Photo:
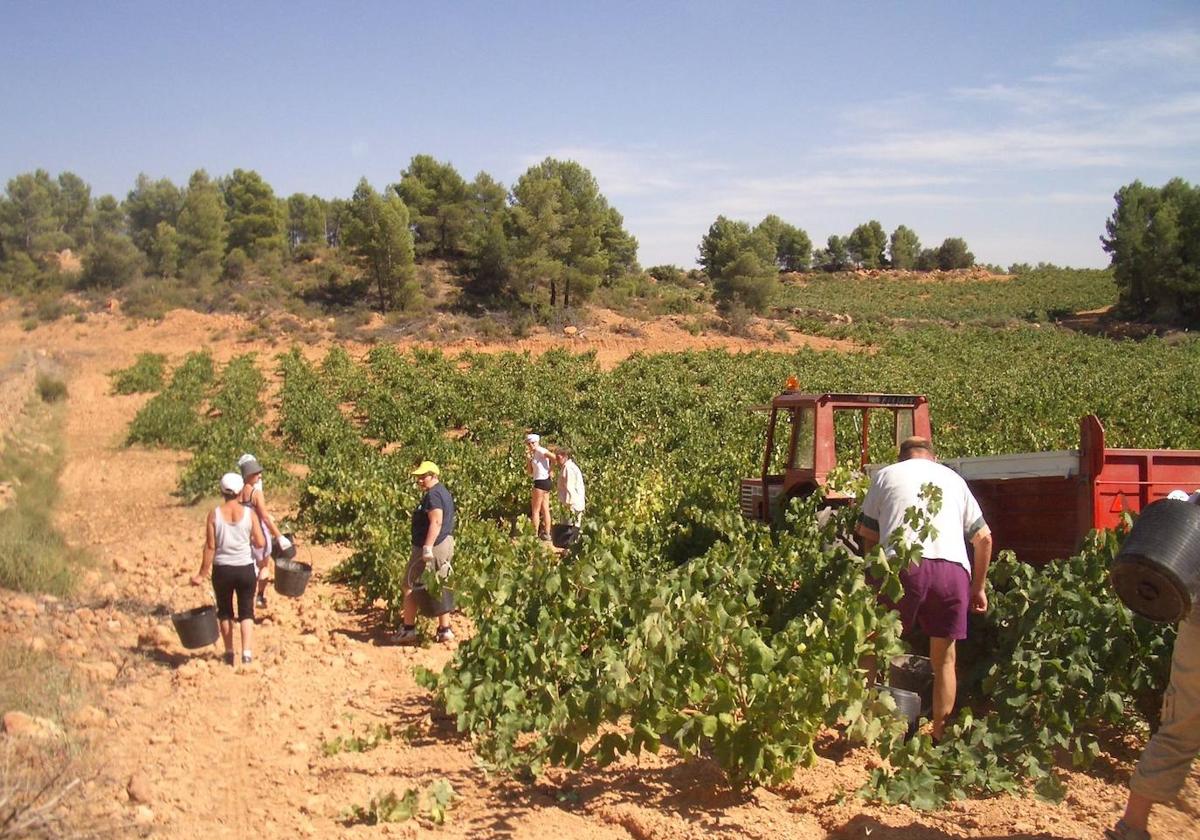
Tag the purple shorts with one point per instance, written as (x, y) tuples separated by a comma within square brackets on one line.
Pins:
[(937, 594)]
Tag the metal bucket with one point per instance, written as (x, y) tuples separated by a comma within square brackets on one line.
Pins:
[(1157, 572), (913, 673), (196, 628), (291, 577), (908, 706)]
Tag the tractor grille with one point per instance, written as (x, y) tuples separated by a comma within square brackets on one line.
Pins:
[(751, 493)]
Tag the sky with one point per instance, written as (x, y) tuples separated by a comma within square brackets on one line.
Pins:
[(1010, 124)]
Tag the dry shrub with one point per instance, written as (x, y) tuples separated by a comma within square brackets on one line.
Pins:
[(37, 780)]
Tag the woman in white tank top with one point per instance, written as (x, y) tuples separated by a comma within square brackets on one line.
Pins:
[(537, 464), (231, 534)]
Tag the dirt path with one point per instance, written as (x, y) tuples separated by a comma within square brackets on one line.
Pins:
[(184, 746)]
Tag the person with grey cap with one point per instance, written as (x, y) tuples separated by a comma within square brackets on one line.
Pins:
[(231, 533), (252, 497), (537, 464)]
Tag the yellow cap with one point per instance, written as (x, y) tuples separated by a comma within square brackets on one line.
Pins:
[(425, 468)]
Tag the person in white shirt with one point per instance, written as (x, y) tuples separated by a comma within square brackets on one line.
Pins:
[(537, 464), (939, 590), (571, 491)]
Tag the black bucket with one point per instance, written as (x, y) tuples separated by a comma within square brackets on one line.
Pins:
[(431, 607), (291, 577), (563, 535), (288, 553), (196, 628), (915, 674), (1157, 572), (908, 706)]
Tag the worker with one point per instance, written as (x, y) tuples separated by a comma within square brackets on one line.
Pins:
[(230, 534), (252, 497), (433, 522), (1167, 759), (537, 464), (939, 590), (571, 491)]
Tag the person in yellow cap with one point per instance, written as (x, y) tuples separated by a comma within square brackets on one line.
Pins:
[(432, 544)]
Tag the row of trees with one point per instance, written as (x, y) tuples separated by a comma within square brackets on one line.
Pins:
[(551, 239), (1153, 237), (744, 262)]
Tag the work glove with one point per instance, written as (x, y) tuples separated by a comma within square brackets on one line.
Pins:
[(427, 552), (283, 542)]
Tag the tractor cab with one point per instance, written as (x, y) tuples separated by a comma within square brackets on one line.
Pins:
[(809, 436)]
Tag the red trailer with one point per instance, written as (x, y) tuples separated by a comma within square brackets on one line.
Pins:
[(1042, 504), (1039, 504)]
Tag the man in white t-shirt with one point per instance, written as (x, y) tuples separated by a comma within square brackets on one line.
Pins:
[(571, 490), (940, 589)]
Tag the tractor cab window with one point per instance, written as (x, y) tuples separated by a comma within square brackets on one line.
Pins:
[(797, 423), (804, 455), (777, 459), (863, 436), (905, 425)]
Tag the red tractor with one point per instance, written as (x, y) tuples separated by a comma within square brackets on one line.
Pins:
[(1040, 504)]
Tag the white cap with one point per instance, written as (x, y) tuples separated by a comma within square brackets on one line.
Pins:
[(1178, 495), (231, 482), (532, 438)]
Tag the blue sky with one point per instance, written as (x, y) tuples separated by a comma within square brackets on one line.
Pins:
[(1008, 123)]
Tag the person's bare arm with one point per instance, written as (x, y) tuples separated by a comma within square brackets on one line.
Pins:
[(256, 532), (209, 552), (981, 540), (268, 522), (435, 528)]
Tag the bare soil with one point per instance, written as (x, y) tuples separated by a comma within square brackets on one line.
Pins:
[(182, 746)]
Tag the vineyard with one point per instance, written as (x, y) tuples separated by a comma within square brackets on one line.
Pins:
[(1037, 296), (674, 621)]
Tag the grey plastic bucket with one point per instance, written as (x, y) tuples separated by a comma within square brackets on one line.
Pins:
[(291, 577), (908, 706), (196, 628), (1157, 572), (913, 673)]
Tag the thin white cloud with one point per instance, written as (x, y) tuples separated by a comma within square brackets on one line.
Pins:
[(1042, 147), (1099, 198), (1075, 117), (1168, 49), (632, 171), (1034, 97), (979, 161)]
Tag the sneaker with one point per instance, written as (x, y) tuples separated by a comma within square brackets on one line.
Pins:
[(228, 657), (1121, 831), (406, 636), (445, 634), (261, 602), (246, 658)]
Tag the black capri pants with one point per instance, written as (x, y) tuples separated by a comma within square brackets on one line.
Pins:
[(230, 580)]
